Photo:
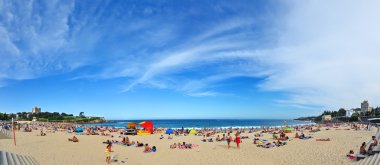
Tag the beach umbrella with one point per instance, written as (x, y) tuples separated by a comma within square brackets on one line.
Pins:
[(131, 125), (193, 131), (169, 131)]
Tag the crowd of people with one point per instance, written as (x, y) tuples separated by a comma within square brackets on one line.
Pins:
[(363, 150), (227, 135)]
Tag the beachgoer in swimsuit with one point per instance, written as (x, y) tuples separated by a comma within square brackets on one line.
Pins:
[(237, 139), (229, 139), (108, 153)]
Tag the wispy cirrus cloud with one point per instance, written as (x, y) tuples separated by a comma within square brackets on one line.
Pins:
[(322, 57), (214, 48), (319, 53), (32, 36)]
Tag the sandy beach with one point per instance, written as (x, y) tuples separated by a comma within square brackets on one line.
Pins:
[(56, 149)]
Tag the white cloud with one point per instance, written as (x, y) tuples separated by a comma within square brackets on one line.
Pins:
[(203, 94), (327, 54), (31, 37), (224, 42)]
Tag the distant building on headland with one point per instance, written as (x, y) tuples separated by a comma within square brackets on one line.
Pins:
[(365, 106), (326, 118), (36, 110)]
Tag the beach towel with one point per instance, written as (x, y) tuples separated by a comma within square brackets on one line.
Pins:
[(323, 140), (114, 158)]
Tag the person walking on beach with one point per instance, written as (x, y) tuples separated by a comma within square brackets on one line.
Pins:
[(108, 153), (237, 140), (229, 139)]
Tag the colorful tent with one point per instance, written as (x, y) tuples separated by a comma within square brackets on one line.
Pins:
[(193, 132), (148, 126), (169, 131), (79, 130), (288, 129), (132, 125)]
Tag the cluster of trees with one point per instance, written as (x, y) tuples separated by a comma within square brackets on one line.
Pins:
[(374, 112), (340, 115), (51, 116), (4, 116), (44, 115)]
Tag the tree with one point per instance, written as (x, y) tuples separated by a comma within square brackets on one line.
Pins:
[(341, 112), (354, 117), (5, 116), (81, 114)]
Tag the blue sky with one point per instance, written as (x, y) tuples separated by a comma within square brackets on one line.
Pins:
[(188, 59)]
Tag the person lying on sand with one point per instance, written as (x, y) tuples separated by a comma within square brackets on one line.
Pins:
[(269, 145), (351, 155), (328, 139), (74, 139), (304, 137), (279, 143), (162, 137), (107, 142), (259, 135), (283, 138), (103, 134), (139, 144), (244, 137), (184, 145), (204, 138)]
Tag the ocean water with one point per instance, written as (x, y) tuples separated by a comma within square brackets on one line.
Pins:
[(208, 123)]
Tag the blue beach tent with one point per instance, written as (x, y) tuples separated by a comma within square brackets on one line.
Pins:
[(79, 130), (169, 131)]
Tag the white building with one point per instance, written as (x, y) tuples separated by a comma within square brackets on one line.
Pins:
[(326, 118), (365, 106), (349, 113), (36, 110)]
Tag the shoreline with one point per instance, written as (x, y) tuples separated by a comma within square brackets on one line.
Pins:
[(218, 123)]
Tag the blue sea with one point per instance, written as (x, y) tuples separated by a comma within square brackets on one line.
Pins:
[(208, 123)]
